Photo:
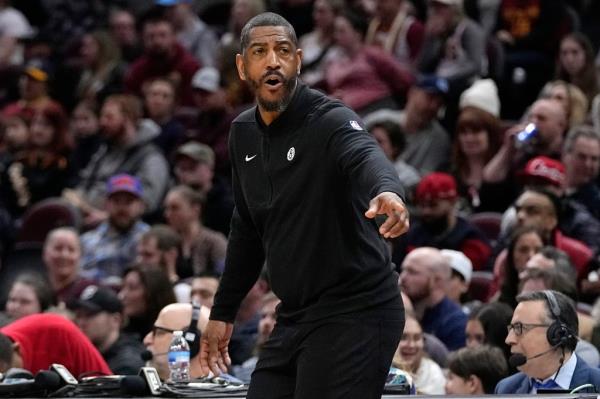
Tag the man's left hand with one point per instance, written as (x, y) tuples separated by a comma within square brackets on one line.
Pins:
[(389, 204)]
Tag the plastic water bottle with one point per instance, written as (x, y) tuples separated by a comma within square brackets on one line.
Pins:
[(179, 359)]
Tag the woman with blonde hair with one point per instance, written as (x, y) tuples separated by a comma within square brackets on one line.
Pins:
[(410, 356), (574, 101)]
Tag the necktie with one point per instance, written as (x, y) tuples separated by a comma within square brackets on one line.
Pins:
[(550, 384)]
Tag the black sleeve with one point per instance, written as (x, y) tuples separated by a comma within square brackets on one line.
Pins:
[(358, 156), (245, 255)]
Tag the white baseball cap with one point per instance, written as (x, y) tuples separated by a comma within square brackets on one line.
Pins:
[(459, 262), (207, 79)]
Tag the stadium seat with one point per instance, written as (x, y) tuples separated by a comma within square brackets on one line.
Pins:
[(481, 286), (45, 216), (489, 224)]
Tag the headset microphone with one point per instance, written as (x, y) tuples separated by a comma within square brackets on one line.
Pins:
[(149, 355), (191, 335), (146, 355), (519, 359), (558, 333)]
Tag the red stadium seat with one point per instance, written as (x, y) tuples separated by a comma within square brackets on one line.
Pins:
[(45, 216), (481, 286), (488, 223)]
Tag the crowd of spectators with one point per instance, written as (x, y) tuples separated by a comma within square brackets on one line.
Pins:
[(114, 120)]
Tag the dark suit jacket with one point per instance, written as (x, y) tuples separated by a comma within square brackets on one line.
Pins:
[(583, 374)]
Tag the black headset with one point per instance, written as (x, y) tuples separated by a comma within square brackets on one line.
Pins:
[(558, 333), (192, 334)]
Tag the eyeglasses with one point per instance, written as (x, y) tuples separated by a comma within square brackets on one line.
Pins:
[(157, 329), (519, 327)]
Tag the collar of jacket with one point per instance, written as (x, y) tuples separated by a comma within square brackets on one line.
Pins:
[(292, 116)]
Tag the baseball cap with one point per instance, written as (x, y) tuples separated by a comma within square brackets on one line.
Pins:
[(545, 170), (433, 84), (206, 79), (434, 186), (448, 2), (37, 71), (460, 263), (124, 183), (197, 151), (97, 299)]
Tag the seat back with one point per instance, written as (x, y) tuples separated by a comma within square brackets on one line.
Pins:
[(489, 223), (481, 286), (44, 217)]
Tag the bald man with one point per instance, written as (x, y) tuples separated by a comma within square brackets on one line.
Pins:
[(176, 316), (550, 119), (425, 277)]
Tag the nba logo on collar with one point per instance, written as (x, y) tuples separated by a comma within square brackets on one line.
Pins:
[(355, 125), (291, 153)]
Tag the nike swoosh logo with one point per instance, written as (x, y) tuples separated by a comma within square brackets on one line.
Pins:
[(250, 158)]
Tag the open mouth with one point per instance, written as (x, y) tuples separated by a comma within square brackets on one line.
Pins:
[(273, 82)]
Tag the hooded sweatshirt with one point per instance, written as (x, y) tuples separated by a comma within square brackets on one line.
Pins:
[(47, 338), (140, 158)]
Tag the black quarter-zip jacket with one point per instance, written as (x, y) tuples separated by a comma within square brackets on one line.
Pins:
[(301, 188)]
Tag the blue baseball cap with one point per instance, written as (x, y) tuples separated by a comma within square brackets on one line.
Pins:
[(168, 3), (124, 183), (433, 84)]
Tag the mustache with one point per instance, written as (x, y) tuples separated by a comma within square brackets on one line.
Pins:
[(272, 73)]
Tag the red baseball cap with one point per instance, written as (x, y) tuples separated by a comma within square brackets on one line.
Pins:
[(545, 170), (435, 186)]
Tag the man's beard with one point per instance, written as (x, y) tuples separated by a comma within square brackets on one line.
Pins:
[(279, 105), (418, 295), (122, 226), (113, 135)]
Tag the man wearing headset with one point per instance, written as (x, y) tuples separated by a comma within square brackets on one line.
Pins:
[(176, 316), (542, 335)]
